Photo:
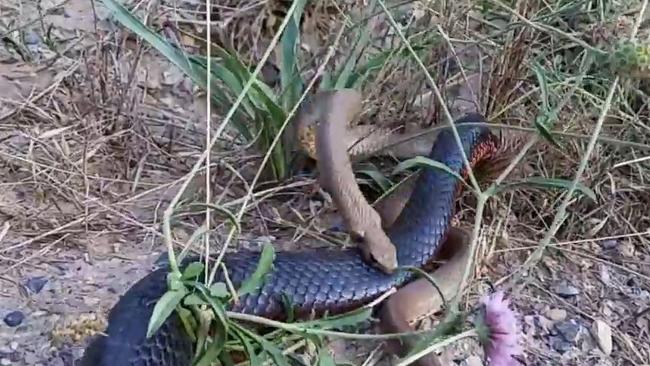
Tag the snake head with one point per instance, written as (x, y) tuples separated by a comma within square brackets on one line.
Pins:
[(376, 249)]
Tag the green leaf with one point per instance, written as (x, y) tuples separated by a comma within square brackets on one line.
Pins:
[(254, 359), (263, 267), (188, 321), (274, 352), (172, 53), (541, 124), (193, 299), (324, 358), (350, 318), (219, 289), (268, 347), (192, 270), (547, 183), (164, 307), (421, 161), (215, 347), (373, 173), (174, 281), (544, 122), (288, 307), (290, 42), (345, 75), (216, 306), (543, 86)]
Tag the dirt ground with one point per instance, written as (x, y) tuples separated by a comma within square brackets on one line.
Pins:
[(94, 145)]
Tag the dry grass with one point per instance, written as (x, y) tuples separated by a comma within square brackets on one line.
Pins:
[(91, 159)]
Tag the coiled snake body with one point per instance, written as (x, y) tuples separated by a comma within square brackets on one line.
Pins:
[(313, 280)]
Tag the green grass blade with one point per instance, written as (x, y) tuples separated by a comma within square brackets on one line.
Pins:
[(343, 79), (264, 265), (375, 175), (547, 183), (192, 270), (268, 347), (172, 53), (254, 359), (290, 43), (324, 358), (420, 161), (163, 308), (350, 318)]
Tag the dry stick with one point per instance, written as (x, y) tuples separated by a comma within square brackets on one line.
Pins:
[(535, 138), (484, 196), (450, 119), (560, 216), (543, 27), (170, 209), (480, 196), (207, 140), (275, 141)]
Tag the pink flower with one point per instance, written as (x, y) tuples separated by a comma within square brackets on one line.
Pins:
[(498, 332)]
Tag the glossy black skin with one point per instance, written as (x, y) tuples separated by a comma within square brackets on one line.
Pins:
[(314, 280)]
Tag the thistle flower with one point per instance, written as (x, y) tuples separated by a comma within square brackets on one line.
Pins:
[(497, 329)]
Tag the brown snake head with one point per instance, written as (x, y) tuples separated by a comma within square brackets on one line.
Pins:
[(327, 117), (376, 249)]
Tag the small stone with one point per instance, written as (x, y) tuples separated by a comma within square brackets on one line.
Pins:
[(604, 275), (14, 318), (5, 361), (609, 244), (627, 249), (543, 323), (13, 345), (602, 333), (568, 329), (36, 284), (564, 289), (560, 344), (473, 361), (32, 38), (556, 315)]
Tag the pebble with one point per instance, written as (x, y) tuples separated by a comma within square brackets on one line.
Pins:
[(36, 284), (473, 361), (627, 249), (14, 318), (556, 315), (609, 244), (32, 38), (568, 330), (602, 333), (560, 344), (564, 289)]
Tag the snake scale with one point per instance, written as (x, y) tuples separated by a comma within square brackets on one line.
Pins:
[(317, 280)]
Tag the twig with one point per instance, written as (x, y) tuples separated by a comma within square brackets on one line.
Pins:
[(197, 166), (561, 214)]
